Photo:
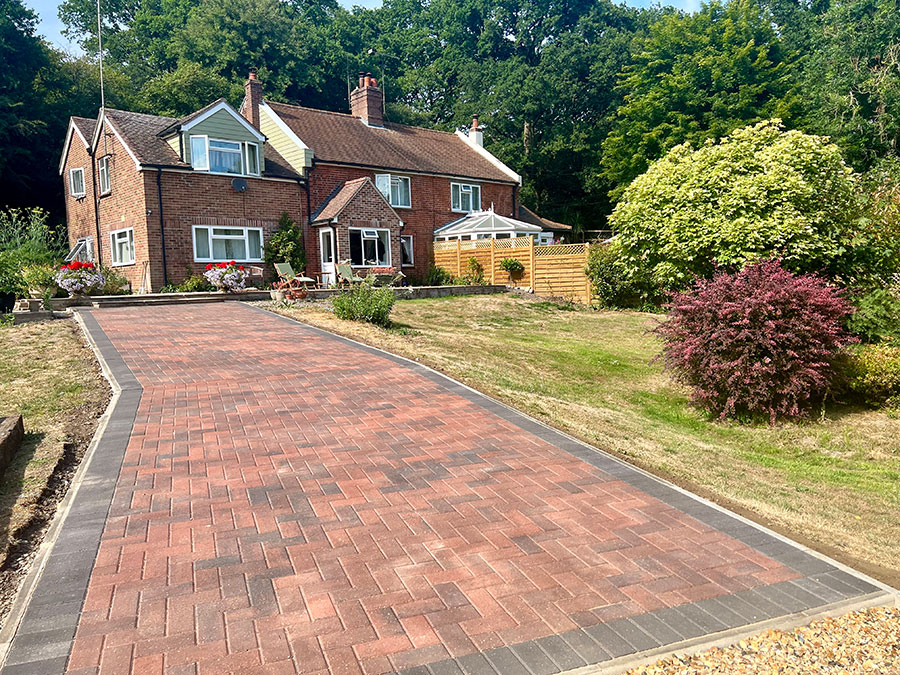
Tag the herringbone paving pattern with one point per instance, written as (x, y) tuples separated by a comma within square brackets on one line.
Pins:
[(291, 503)]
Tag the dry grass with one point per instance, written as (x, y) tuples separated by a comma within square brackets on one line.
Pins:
[(832, 481), (49, 375)]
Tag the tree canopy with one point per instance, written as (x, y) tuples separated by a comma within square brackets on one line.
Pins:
[(578, 96)]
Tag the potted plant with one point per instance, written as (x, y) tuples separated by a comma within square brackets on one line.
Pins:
[(78, 278), (40, 279), (513, 267), (227, 277), (11, 283)]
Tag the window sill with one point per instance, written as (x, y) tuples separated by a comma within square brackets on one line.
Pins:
[(466, 212), (400, 207), (78, 197), (225, 173), (124, 264), (368, 267), (104, 194), (228, 260)]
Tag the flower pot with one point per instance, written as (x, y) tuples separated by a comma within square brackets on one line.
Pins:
[(277, 295), (7, 302)]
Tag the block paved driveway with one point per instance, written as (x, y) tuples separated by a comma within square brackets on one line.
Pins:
[(289, 501)]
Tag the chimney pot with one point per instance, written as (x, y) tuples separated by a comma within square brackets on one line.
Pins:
[(253, 98), (252, 74), (366, 101)]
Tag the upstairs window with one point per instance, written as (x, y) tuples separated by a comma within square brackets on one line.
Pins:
[(103, 175), (220, 156), (370, 247), (122, 246), (395, 189), (76, 183), (465, 198)]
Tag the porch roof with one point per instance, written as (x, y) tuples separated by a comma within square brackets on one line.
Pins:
[(485, 222)]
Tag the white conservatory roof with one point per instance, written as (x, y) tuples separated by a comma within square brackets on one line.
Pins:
[(485, 222)]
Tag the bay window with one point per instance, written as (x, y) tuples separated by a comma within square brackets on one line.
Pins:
[(122, 246), (465, 198), (395, 189), (223, 244), (370, 247)]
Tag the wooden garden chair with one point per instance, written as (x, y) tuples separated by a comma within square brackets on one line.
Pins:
[(346, 275), (289, 280)]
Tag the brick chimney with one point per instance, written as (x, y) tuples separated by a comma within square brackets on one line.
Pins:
[(366, 102), (476, 135), (253, 97)]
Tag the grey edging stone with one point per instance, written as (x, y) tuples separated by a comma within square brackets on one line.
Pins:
[(822, 582), (43, 638)]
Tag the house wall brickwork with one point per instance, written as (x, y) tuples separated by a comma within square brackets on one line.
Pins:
[(430, 199)]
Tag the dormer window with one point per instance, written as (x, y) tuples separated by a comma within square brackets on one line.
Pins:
[(220, 156)]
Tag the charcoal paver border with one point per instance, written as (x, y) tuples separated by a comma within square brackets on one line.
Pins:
[(46, 632), (43, 639)]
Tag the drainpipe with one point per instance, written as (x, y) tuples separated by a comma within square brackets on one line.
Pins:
[(92, 153), (162, 228), (515, 213)]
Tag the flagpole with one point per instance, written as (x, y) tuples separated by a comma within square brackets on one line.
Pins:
[(100, 50)]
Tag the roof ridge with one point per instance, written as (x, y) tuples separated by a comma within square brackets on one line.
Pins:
[(387, 126), (140, 114)]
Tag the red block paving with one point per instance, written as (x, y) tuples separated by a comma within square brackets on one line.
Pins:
[(290, 503)]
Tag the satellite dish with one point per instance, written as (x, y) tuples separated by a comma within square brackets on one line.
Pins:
[(239, 184)]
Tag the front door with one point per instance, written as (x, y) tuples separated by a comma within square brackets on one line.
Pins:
[(326, 251)]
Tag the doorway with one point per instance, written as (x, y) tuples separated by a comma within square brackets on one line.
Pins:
[(326, 253)]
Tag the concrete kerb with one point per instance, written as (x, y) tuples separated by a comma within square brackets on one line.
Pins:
[(15, 624)]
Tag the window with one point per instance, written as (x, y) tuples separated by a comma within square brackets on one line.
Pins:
[(217, 156), (122, 246), (221, 244), (465, 198), (406, 249), (199, 153), (83, 251), (103, 171), (251, 152), (370, 248), (395, 189), (76, 183)]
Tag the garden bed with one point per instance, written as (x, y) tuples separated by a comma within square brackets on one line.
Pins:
[(49, 375), (829, 483)]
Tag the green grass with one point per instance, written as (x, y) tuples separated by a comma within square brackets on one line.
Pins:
[(833, 479)]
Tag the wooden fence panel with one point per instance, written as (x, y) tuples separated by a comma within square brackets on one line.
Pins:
[(556, 270)]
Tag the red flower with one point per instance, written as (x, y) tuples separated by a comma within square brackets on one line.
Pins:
[(240, 267), (232, 263), (209, 266)]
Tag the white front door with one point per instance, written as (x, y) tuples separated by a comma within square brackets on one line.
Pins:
[(326, 253)]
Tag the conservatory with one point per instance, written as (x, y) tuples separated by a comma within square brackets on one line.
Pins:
[(490, 225)]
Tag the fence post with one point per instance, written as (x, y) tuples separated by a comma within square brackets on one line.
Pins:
[(458, 254), (531, 249), (492, 260), (587, 257)]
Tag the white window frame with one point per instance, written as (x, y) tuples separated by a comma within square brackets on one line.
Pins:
[(72, 172), (205, 155), (244, 150), (467, 188), (211, 237), (126, 233), (372, 233), (412, 256), (103, 177), (390, 180), (85, 244)]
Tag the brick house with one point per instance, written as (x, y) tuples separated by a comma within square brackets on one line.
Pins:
[(159, 198)]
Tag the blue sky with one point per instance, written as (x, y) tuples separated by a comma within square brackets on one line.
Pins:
[(51, 27)]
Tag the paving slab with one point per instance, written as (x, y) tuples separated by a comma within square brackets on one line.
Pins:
[(268, 497)]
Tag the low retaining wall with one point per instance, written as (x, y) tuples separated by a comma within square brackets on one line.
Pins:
[(418, 292), (12, 431)]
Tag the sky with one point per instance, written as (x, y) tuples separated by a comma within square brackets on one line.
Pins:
[(51, 27)]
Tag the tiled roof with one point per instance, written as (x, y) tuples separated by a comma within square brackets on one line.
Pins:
[(529, 216), (184, 120), (85, 126), (141, 134), (344, 139), (338, 199)]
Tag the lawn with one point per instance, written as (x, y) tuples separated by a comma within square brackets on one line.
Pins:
[(831, 483), (49, 375)]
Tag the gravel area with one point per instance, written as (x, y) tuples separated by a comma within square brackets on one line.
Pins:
[(866, 641)]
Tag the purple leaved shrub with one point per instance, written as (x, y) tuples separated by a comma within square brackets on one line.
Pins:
[(759, 342)]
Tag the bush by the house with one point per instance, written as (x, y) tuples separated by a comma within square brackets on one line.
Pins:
[(437, 276), (116, 284), (365, 302), (473, 274), (877, 317), (616, 283), (39, 279), (195, 283), (874, 374), (78, 278), (27, 234), (512, 266), (286, 245), (226, 276), (761, 192), (759, 342)]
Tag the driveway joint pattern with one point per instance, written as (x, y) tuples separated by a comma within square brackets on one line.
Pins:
[(270, 497)]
